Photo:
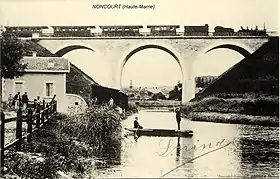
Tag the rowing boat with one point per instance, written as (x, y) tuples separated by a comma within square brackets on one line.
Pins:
[(161, 132)]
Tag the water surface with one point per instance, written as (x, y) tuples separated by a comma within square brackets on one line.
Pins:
[(254, 152)]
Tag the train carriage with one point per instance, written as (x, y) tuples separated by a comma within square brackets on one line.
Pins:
[(196, 30), (111, 31), (25, 31), (73, 31), (163, 30)]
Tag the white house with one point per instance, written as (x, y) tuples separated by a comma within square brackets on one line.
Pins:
[(44, 77)]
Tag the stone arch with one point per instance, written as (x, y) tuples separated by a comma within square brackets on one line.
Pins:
[(234, 45), (184, 67), (67, 49), (75, 104), (236, 48), (139, 47)]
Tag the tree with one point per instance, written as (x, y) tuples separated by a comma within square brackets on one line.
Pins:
[(176, 93), (12, 51)]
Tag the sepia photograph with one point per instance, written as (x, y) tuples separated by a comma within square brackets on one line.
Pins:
[(139, 89)]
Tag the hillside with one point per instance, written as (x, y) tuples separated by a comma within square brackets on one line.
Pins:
[(255, 75)]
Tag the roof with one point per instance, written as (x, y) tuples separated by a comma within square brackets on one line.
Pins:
[(81, 26), (46, 64), (85, 75), (30, 46), (149, 26), (20, 27), (121, 26)]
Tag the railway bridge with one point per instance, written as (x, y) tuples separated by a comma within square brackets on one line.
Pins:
[(184, 49)]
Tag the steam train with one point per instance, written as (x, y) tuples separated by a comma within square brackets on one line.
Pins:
[(118, 31)]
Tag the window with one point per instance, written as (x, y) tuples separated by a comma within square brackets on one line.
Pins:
[(18, 87), (49, 89)]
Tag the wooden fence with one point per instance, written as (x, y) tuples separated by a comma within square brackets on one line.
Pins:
[(35, 119)]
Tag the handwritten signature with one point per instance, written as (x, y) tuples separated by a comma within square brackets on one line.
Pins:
[(214, 147)]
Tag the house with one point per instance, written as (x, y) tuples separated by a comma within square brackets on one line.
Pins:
[(44, 77)]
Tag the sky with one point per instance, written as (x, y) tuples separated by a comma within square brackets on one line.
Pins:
[(227, 13)]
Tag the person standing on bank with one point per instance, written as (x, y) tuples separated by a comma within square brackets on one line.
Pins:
[(178, 117), (24, 99), (10, 101), (17, 99)]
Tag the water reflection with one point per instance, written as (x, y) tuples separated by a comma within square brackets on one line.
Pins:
[(255, 151), (259, 151), (178, 149)]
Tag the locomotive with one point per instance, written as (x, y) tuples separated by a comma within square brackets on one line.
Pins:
[(252, 32)]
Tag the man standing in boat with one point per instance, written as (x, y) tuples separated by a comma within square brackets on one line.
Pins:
[(178, 117), (136, 124)]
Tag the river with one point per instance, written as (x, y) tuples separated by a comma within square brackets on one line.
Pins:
[(254, 151)]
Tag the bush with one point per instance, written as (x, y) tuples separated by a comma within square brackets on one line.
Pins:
[(69, 144), (98, 126)]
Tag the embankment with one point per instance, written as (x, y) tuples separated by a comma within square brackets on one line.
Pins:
[(238, 109)]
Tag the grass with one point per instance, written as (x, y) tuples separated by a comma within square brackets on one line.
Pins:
[(256, 106), (235, 108), (233, 118)]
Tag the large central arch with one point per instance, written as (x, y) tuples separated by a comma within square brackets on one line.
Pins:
[(162, 47), (143, 47)]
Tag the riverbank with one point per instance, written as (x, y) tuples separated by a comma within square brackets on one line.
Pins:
[(157, 103), (233, 118), (68, 146), (237, 109)]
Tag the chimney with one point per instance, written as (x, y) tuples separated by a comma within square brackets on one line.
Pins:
[(34, 53)]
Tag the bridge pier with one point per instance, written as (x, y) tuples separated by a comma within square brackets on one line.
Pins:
[(188, 84)]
